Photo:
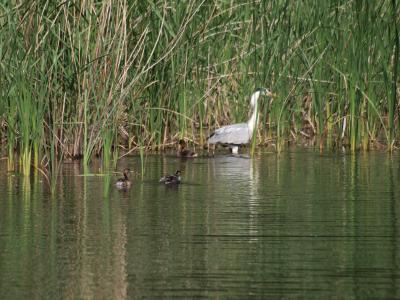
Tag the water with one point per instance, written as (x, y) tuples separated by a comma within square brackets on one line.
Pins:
[(297, 225)]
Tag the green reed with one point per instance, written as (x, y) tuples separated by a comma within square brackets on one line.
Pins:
[(84, 78), (27, 111)]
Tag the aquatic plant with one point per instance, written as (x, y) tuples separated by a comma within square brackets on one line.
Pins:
[(88, 78)]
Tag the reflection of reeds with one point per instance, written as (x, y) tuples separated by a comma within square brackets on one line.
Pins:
[(82, 78)]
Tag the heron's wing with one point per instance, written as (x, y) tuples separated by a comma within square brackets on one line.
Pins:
[(231, 134)]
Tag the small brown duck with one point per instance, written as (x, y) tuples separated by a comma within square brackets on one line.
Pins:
[(124, 182), (183, 152), (172, 179)]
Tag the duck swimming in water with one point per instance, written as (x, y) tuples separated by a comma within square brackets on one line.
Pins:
[(124, 182), (182, 152), (172, 179)]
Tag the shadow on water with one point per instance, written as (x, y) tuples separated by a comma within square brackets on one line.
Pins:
[(299, 224)]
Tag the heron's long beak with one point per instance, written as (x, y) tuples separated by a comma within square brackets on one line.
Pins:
[(270, 94)]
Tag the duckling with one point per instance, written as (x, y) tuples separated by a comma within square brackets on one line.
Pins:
[(124, 182), (182, 152), (172, 179)]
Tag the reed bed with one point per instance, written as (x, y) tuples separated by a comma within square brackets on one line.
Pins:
[(85, 78)]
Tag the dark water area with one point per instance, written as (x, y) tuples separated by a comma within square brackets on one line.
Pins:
[(296, 225)]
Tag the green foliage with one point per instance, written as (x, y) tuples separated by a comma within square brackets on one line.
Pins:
[(84, 77)]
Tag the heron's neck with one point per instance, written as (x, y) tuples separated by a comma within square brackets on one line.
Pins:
[(252, 122)]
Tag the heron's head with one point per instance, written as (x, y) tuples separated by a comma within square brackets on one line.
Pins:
[(258, 92)]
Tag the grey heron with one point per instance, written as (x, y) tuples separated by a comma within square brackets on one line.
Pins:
[(239, 134), (124, 182), (172, 179)]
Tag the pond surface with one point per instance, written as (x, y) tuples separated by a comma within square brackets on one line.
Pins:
[(300, 225)]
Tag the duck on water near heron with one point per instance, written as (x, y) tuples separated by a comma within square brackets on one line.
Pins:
[(183, 152), (124, 182), (172, 179), (236, 135)]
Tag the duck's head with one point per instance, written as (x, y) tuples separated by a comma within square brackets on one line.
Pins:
[(181, 144), (126, 172)]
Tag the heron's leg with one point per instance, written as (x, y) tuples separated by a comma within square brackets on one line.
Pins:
[(212, 147), (235, 149)]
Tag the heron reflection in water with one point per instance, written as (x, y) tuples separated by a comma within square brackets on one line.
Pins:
[(239, 134)]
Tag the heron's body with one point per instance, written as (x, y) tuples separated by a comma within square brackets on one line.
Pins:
[(236, 134), (124, 182), (172, 179), (239, 134)]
